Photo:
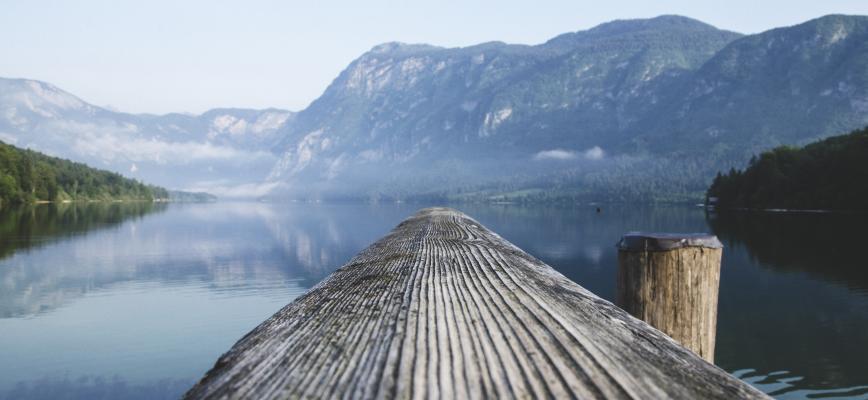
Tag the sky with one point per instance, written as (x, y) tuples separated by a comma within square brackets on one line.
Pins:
[(161, 56)]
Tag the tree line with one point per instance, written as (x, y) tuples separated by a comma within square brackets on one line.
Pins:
[(830, 174), (28, 176)]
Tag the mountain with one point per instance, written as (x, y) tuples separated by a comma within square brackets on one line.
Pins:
[(784, 86), (647, 109), (220, 151), (626, 110), (419, 117), (27, 176), (829, 174)]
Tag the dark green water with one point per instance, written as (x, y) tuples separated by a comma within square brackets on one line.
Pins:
[(138, 300)]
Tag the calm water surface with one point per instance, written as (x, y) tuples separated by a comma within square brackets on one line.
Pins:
[(138, 300)]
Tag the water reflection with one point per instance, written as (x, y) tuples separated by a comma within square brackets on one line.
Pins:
[(145, 301), (793, 299), (26, 288), (229, 247), (825, 246), (96, 387), (139, 300), (578, 241), (34, 225)]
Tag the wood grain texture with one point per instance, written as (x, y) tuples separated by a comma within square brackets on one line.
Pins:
[(675, 291), (443, 307)]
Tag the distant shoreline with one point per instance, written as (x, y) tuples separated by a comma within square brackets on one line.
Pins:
[(67, 201), (784, 210)]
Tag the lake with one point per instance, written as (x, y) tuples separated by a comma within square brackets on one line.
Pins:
[(137, 300)]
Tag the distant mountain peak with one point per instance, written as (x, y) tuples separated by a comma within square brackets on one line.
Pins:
[(832, 23), (662, 22), (835, 27), (387, 47), (832, 19), (631, 27), (40, 98), (400, 47)]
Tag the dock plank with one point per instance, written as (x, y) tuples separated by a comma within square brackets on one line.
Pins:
[(443, 307)]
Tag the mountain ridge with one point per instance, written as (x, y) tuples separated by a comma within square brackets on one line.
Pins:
[(616, 89), (216, 151), (628, 109)]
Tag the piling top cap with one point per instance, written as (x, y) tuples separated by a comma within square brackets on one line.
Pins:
[(642, 241)]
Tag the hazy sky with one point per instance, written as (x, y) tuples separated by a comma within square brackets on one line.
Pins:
[(188, 56)]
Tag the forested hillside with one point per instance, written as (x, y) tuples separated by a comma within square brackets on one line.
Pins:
[(831, 174), (635, 110), (28, 176)]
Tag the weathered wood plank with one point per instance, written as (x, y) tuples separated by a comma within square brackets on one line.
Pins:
[(443, 307)]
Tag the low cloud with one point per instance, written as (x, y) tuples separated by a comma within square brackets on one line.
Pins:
[(110, 148), (110, 142), (225, 189), (556, 154), (593, 154)]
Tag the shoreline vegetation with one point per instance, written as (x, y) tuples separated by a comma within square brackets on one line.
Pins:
[(824, 176), (31, 177), (28, 176)]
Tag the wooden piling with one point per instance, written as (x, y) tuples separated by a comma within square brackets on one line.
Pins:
[(444, 308), (671, 282)]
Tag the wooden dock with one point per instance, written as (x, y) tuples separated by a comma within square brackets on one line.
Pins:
[(443, 307)]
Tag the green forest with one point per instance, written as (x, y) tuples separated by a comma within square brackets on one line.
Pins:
[(27, 176), (831, 174)]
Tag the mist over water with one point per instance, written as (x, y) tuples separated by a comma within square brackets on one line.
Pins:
[(138, 301)]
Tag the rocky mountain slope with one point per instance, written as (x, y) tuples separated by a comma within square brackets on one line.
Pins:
[(626, 110)]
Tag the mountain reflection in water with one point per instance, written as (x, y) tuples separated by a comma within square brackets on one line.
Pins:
[(137, 300)]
